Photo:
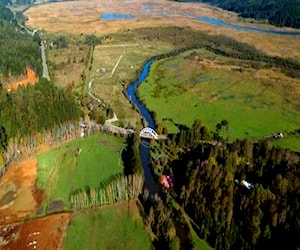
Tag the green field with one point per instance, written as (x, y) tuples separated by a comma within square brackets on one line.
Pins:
[(211, 89), (109, 87), (79, 163), (117, 226), (289, 142)]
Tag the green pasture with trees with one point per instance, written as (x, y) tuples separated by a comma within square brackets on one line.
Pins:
[(77, 164), (181, 89)]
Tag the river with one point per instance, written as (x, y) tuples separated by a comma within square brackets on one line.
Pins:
[(150, 182)]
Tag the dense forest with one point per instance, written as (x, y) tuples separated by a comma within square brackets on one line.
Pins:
[(239, 195), (35, 108), (5, 13), (277, 12), (18, 50)]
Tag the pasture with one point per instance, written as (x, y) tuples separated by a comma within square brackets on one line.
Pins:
[(117, 226), (114, 66), (201, 85), (77, 164)]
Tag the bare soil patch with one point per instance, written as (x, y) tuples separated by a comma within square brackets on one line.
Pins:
[(85, 17), (30, 78), (43, 233), (20, 179)]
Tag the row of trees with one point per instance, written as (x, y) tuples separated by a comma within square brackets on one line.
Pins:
[(210, 179), (117, 188), (277, 12)]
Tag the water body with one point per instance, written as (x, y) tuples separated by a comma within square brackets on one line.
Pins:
[(116, 16), (246, 28), (150, 182)]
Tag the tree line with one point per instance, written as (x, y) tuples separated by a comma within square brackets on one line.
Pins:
[(186, 39), (277, 12), (241, 195)]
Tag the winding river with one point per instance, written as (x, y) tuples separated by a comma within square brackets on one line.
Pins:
[(150, 182)]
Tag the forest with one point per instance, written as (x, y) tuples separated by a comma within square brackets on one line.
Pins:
[(239, 195), (277, 12), (35, 108), (18, 50)]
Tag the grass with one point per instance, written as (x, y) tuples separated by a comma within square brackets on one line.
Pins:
[(289, 142), (116, 226), (67, 65), (110, 88), (253, 106), (77, 164)]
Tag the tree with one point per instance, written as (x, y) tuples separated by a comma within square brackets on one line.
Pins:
[(3, 138), (131, 157)]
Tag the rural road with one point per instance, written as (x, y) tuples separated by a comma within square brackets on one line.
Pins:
[(44, 62)]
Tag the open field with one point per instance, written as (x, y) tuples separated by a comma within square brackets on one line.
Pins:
[(67, 65), (289, 142), (77, 164), (117, 226), (211, 88), (85, 17), (117, 64)]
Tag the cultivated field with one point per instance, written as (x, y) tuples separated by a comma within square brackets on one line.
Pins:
[(85, 17), (77, 164), (117, 226), (202, 85)]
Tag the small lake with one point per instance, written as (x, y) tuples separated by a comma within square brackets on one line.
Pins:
[(116, 16)]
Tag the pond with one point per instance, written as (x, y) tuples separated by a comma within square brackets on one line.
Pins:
[(116, 16)]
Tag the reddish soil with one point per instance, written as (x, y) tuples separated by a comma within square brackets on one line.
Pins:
[(16, 230), (21, 175), (30, 78), (41, 233)]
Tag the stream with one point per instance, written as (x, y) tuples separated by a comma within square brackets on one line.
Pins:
[(150, 182)]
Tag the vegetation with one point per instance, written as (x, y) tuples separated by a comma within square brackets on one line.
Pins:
[(18, 50), (184, 39), (35, 108), (241, 195), (5, 13), (131, 156), (201, 84), (77, 164), (277, 12), (116, 189), (117, 226)]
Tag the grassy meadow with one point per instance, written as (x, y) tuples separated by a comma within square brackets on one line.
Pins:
[(109, 87), (117, 226), (77, 164), (200, 85)]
